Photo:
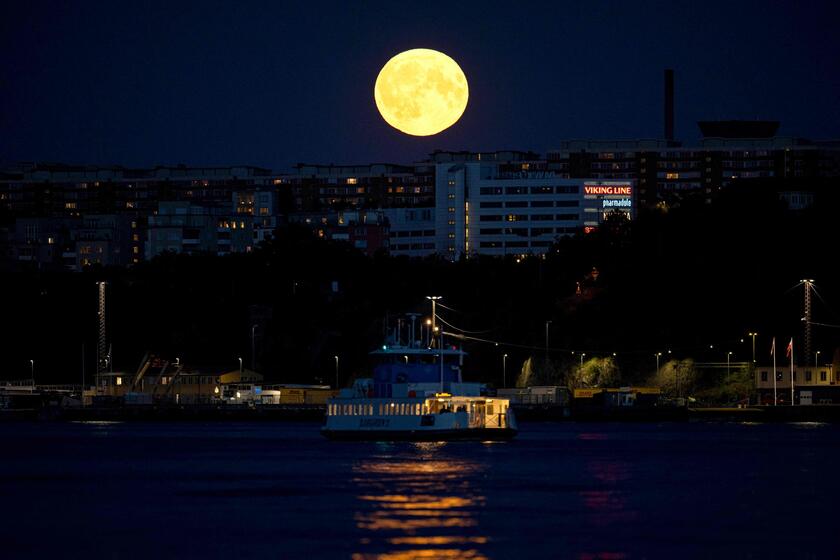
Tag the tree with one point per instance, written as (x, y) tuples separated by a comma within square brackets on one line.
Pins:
[(676, 377), (595, 372)]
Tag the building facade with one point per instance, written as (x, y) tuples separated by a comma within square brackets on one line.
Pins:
[(513, 206), (819, 384)]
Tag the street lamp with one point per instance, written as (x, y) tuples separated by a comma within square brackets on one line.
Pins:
[(728, 355), (32, 363), (336, 371), (817, 358), (240, 366), (504, 370), (657, 362), (581, 359), (753, 335)]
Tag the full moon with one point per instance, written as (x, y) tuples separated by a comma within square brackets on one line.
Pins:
[(421, 92)]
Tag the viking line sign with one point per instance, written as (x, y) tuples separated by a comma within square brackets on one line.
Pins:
[(608, 189)]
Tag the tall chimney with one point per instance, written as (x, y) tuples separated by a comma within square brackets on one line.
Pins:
[(669, 104)]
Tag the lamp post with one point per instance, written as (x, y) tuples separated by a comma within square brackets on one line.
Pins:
[(657, 355), (253, 349), (504, 370), (582, 355), (240, 367), (336, 371), (817, 358), (728, 356), (753, 335), (32, 364)]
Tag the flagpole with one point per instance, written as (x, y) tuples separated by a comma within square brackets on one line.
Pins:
[(775, 398), (791, 372)]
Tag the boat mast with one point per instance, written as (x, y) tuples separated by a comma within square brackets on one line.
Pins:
[(440, 345)]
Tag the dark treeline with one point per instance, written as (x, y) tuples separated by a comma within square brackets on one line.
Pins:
[(681, 280)]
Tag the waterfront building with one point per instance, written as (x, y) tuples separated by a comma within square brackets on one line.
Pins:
[(819, 384)]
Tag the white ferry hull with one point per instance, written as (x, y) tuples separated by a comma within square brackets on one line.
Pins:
[(468, 434)]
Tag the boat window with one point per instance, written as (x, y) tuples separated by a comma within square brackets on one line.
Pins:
[(380, 409)]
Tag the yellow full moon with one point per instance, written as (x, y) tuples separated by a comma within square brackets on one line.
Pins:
[(421, 92)]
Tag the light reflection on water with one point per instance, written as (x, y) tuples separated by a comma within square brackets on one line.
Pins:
[(418, 505)]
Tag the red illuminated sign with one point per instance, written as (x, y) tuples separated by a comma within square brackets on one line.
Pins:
[(608, 189)]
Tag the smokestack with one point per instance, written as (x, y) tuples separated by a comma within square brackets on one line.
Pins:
[(669, 104)]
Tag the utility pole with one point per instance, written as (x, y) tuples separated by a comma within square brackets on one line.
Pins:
[(102, 347), (547, 323), (253, 349), (83, 376), (808, 287)]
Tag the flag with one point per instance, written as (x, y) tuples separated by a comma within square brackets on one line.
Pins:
[(773, 347), (789, 348)]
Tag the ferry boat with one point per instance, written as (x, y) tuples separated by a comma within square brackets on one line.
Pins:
[(417, 394)]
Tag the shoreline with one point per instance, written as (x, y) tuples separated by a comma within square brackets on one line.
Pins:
[(315, 413)]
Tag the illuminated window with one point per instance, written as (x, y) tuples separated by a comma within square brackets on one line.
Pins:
[(70, 205), (129, 204), (136, 250), (119, 380), (50, 240), (672, 175), (451, 209), (263, 211), (352, 180)]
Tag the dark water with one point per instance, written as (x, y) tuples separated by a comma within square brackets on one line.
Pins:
[(560, 490)]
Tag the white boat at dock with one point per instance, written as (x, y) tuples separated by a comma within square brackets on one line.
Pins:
[(417, 394)]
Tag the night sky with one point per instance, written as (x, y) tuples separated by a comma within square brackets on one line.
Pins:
[(273, 83)]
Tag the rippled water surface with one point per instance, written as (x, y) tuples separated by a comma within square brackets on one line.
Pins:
[(559, 490)]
